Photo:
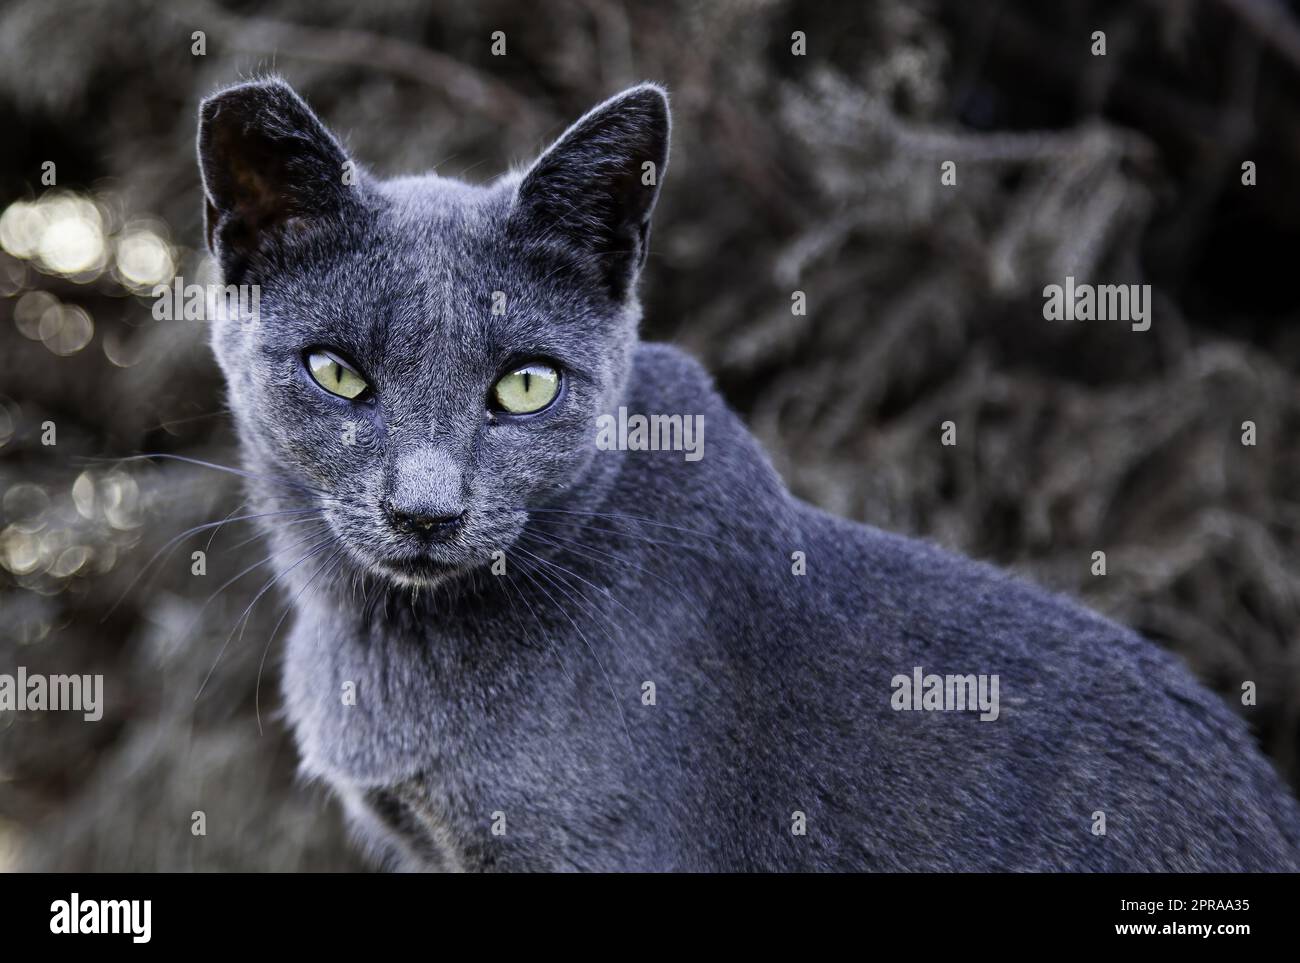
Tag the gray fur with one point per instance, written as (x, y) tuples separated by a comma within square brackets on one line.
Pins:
[(481, 694)]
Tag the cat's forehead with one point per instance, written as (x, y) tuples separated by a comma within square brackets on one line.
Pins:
[(440, 216), (429, 246), (453, 244), (436, 271)]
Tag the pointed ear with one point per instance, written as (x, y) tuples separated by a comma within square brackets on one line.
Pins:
[(594, 189), (269, 166)]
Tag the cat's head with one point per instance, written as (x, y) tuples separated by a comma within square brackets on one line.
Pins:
[(428, 356)]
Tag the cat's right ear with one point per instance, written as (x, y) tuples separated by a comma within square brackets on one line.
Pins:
[(269, 166)]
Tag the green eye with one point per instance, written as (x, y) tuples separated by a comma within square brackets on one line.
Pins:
[(527, 389), (334, 376)]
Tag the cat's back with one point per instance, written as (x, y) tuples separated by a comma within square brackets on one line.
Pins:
[(1090, 725)]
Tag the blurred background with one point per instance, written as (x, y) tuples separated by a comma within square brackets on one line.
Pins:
[(816, 173)]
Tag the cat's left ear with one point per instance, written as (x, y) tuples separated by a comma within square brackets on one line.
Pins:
[(595, 188)]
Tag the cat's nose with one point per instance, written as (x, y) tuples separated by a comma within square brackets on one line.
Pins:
[(417, 520), (425, 493)]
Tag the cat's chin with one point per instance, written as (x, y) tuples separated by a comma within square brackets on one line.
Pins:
[(421, 572)]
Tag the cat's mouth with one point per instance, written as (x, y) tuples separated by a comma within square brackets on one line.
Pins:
[(421, 570), (426, 561)]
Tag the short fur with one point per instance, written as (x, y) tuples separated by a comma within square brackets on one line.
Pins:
[(499, 719)]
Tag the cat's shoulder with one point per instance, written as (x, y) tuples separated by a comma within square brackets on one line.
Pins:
[(726, 460), (663, 372)]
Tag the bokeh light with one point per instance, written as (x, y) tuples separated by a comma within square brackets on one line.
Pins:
[(120, 500), (29, 310), (144, 258), (83, 495), (72, 237), (20, 552), (25, 506), (21, 227), (70, 561), (65, 329), (73, 245)]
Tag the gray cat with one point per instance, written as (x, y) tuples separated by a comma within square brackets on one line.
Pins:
[(528, 640)]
